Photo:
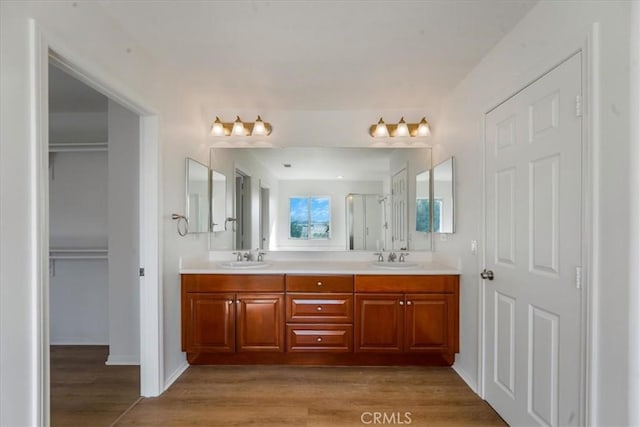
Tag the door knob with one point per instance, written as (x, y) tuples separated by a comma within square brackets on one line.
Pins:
[(487, 274)]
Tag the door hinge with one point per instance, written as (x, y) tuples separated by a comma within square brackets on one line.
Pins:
[(578, 105), (141, 271), (578, 277)]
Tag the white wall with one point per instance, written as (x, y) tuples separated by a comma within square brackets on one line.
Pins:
[(549, 33), (124, 231), (78, 300), (84, 31), (337, 192), (78, 127), (78, 219)]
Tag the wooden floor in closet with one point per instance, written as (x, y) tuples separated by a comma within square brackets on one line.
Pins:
[(85, 391)]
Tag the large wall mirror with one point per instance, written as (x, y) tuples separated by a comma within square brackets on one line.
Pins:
[(197, 196), (300, 198)]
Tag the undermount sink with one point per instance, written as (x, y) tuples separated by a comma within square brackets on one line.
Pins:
[(243, 264), (395, 265)]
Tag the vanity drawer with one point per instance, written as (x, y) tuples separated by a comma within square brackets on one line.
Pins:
[(319, 283), (320, 308), (320, 338)]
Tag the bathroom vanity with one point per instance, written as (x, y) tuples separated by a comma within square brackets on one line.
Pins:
[(338, 313)]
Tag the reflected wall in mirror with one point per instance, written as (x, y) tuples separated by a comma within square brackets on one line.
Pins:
[(443, 197), (197, 200), (218, 200), (282, 174)]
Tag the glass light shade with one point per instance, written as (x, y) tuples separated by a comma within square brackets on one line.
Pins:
[(402, 129), (217, 129), (423, 128), (238, 127), (381, 129), (258, 127)]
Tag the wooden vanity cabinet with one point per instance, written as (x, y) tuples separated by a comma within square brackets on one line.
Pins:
[(319, 310), (232, 313), (320, 319), (421, 319)]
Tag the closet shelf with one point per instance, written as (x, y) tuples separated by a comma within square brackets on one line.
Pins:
[(61, 147), (78, 253)]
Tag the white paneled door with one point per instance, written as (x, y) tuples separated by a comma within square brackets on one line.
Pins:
[(533, 251)]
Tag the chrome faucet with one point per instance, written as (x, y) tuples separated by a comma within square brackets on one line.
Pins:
[(248, 256), (261, 256), (402, 256), (392, 257), (238, 255), (380, 256)]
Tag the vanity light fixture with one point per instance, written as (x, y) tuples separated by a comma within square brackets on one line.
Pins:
[(240, 128), (401, 129)]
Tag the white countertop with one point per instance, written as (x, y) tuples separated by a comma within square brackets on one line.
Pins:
[(210, 266)]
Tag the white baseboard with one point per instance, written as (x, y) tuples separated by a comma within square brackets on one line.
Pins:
[(122, 360), (466, 378), (175, 375)]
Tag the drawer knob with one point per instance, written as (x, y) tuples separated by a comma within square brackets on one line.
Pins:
[(319, 308), (230, 301), (401, 302), (409, 303), (319, 339), (319, 283)]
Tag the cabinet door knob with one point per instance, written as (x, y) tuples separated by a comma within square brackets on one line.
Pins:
[(408, 302), (319, 308), (230, 301), (319, 339), (401, 302), (319, 283), (237, 301)]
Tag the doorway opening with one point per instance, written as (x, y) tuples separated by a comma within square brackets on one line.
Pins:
[(149, 288)]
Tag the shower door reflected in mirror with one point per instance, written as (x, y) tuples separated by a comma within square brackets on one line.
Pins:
[(367, 221)]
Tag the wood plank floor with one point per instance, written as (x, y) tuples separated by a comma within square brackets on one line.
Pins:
[(314, 396), (86, 392)]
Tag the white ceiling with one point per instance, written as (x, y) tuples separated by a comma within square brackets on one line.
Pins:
[(319, 55)]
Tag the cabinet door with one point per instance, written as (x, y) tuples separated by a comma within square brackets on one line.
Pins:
[(379, 322), (210, 325), (260, 322), (429, 322)]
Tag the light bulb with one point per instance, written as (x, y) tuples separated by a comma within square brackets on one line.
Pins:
[(258, 127), (217, 129), (381, 129), (402, 129), (238, 127), (423, 128)]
